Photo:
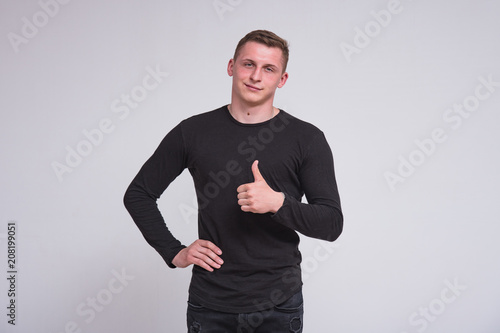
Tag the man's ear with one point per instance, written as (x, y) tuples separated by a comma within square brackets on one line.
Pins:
[(283, 79), (230, 66)]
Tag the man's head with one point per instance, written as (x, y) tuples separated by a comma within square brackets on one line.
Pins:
[(258, 69), (267, 38)]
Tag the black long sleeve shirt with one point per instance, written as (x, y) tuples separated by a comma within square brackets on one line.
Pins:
[(260, 251)]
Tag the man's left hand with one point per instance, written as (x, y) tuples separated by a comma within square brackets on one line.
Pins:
[(258, 197)]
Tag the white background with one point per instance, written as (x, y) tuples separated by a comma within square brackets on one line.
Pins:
[(403, 245)]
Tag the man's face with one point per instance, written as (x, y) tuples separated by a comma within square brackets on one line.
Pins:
[(257, 72)]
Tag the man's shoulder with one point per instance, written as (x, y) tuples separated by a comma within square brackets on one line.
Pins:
[(205, 117), (298, 124)]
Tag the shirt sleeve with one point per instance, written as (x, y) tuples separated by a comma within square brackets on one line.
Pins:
[(321, 217), (166, 163)]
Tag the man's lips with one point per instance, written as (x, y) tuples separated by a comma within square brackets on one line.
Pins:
[(252, 87)]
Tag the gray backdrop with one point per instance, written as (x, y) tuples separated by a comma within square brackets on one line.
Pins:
[(407, 93)]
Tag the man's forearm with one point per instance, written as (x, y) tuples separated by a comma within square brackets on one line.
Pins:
[(146, 215), (321, 221)]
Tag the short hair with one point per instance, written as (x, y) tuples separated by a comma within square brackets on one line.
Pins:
[(267, 38)]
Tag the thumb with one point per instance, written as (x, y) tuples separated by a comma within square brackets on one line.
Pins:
[(256, 172)]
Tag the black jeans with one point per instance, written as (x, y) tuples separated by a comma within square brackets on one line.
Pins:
[(283, 318)]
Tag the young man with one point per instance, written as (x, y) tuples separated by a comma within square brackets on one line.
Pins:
[(251, 164)]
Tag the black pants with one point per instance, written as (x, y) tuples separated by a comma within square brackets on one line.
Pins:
[(284, 318)]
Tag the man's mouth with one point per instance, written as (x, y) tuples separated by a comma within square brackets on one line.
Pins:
[(254, 88)]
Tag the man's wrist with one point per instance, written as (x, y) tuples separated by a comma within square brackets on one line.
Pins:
[(280, 201)]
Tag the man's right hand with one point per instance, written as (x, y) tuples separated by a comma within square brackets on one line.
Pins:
[(202, 253)]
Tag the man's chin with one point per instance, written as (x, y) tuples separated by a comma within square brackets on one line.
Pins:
[(255, 99)]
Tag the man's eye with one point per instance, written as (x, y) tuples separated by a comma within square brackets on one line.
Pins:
[(269, 69), (248, 64)]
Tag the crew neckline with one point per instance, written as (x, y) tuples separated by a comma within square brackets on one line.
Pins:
[(228, 113)]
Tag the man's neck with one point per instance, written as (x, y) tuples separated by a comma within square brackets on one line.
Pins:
[(252, 114)]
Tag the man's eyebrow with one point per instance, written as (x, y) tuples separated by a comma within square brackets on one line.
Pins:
[(266, 65)]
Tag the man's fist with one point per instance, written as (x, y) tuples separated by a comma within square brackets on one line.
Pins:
[(258, 197)]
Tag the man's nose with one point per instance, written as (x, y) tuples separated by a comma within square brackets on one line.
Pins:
[(256, 74)]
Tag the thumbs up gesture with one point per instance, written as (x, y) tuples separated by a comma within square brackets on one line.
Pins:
[(258, 197)]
